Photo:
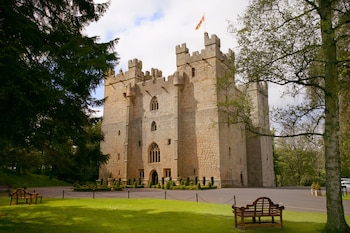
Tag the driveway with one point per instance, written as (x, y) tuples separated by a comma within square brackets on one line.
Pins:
[(293, 198)]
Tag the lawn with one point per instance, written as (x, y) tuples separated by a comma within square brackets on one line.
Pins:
[(137, 215)]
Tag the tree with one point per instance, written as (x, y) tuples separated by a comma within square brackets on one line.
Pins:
[(48, 70), (280, 42), (299, 161)]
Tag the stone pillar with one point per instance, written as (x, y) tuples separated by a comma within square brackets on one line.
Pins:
[(129, 95), (178, 83)]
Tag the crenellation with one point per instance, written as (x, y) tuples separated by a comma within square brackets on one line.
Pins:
[(211, 50), (135, 63), (195, 53), (181, 49), (213, 40), (156, 73)]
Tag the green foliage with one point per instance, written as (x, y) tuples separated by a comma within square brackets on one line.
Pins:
[(298, 161), (315, 186), (48, 70), (14, 180)]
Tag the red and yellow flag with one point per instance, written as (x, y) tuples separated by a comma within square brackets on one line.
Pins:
[(200, 22)]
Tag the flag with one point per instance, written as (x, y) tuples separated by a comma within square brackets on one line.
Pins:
[(200, 22)]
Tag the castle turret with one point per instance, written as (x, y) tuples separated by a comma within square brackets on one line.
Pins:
[(135, 69)]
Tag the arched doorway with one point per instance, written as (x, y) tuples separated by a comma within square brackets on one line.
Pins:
[(154, 176)]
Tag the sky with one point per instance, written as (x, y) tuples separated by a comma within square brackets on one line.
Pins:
[(149, 30)]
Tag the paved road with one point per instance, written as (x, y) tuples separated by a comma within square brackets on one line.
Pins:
[(298, 199)]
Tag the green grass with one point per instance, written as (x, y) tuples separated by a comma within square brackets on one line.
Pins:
[(137, 215), (28, 180)]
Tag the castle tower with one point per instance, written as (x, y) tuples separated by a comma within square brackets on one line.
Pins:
[(259, 148), (157, 128)]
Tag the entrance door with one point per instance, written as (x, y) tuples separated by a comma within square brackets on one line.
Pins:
[(154, 177)]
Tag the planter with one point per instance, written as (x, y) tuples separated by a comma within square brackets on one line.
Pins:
[(316, 192)]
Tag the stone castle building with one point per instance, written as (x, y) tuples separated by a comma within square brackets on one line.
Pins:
[(158, 127)]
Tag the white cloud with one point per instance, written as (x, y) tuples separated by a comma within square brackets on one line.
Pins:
[(150, 30)]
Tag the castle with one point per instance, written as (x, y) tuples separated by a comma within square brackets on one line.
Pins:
[(157, 127)]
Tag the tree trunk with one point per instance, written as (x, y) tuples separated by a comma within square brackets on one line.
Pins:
[(335, 212)]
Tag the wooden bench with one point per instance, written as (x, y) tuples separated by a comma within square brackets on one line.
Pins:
[(262, 207), (23, 196)]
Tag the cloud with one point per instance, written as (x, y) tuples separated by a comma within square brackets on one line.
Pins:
[(150, 30)]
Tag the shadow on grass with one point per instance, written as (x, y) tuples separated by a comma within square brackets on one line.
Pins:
[(119, 217)]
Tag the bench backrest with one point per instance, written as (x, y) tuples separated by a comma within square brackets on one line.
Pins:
[(20, 193), (264, 205)]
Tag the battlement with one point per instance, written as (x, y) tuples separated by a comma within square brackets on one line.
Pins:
[(181, 49), (135, 63), (213, 40), (155, 73), (211, 50)]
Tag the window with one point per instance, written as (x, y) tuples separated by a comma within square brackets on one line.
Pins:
[(154, 103), (142, 173), (153, 126), (193, 72), (167, 172), (154, 153), (169, 141)]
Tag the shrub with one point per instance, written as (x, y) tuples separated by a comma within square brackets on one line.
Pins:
[(209, 184), (316, 186), (168, 184), (187, 181)]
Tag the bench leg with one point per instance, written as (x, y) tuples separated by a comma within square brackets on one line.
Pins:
[(242, 222), (281, 220), (235, 220)]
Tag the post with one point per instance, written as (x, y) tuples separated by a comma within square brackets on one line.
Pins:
[(165, 195), (196, 197), (63, 194)]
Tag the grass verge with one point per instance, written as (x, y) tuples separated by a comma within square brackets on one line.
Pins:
[(137, 215)]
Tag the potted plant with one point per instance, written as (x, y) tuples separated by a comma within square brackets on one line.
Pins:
[(315, 189)]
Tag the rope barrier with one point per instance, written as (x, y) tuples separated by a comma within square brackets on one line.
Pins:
[(160, 194)]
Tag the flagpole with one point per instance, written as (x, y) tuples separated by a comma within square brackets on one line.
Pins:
[(205, 24)]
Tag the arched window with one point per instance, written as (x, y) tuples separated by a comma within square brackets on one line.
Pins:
[(154, 103), (153, 126), (154, 153)]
